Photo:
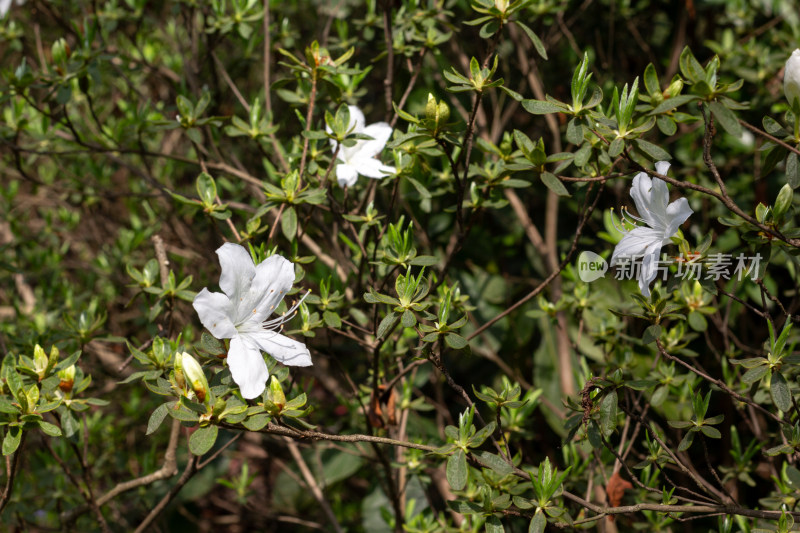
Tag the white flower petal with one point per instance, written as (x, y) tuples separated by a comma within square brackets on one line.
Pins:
[(677, 213), (380, 133), (651, 197), (662, 167), (346, 175), (247, 365), (357, 121), (372, 168), (237, 270), (274, 278), (791, 77), (288, 351), (648, 269), (640, 192), (215, 310), (635, 243)]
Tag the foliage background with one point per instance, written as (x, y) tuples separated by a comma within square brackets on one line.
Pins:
[(112, 110)]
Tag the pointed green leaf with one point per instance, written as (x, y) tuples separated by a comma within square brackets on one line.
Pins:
[(538, 522), (456, 470), (608, 413), (726, 118), (11, 440), (540, 107), (203, 440), (554, 184), (158, 417), (781, 395), (289, 223), (537, 43)]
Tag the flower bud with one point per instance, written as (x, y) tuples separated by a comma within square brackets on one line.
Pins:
[(276, 399), (430, 107), (178, 366), (40, 362), (791, 80), (275, 393), (194, 376), (436, 111), (60, 52), (67, 379)]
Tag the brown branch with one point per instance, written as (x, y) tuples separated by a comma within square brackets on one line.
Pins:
[(12, 465), (188, 472), (721, 384), (312, 484), (555, 273)]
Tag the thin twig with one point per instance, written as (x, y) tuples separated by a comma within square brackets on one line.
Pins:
[(312, 484), (188, 472)]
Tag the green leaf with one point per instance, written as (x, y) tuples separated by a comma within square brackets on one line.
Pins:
[(489, 29), (203, 440), (771, 126), (726, 118), (289, 223), (424, 260), (541, 107), (538, 522), (493, 525), (574, 132), (651, 80), (387, 324), (697, 321), (794, 475), (49, 429), (455, 341), (781, 395), (659, 395), (495, 462), (792, 171), (755, 374), (655, 152), (456, 469), (256, 422), (157, 417), (711, 432), (554, 184), (537, 43), (11, 440), (651, 334), (686, 442), (671, 103), (616, 147), (666, 125), (608, 413), (69, 424), (206, 189), (332, 320), (784, 201), (690, 67), (7, 407), (211, 344), (408, 320)]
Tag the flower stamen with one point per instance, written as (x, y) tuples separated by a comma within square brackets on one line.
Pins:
[(278, 321)]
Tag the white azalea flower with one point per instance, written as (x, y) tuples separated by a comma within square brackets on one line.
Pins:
[(791, 77), (360, 158), (662, 218), (251, 294)]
